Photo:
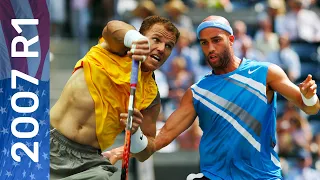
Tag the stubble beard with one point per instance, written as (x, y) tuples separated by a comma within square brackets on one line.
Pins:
[(224, 59)]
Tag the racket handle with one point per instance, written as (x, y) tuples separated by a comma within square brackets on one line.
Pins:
[(134, 73), (126, 152)]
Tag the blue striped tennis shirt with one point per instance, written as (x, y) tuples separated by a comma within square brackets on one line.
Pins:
[(238, 124)]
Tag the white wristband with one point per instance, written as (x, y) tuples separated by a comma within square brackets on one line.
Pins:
[(310, 102), (132, 35), (138, 142)]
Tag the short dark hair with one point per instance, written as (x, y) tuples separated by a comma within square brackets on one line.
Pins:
[(152, 20)]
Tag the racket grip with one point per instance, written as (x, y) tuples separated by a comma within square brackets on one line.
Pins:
[(134, 72)]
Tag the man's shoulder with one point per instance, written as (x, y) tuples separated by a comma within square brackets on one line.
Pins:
[(156, 101), (253, 67), (252, 62)]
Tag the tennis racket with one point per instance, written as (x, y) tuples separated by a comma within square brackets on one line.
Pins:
[(126, 149)]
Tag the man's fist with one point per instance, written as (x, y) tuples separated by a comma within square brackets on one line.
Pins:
[(308, 87), (137, 119)]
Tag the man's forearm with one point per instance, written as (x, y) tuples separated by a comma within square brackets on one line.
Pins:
[(154, 144), (318, 105), (147, 152), (114, 33), (163, 139), (312, 109), (116, 30)]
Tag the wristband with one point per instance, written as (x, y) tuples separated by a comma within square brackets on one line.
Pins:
[(132, 35), (138, 142), (310, 102)]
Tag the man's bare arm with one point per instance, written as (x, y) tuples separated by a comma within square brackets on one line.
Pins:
[(148, 127), (278, 81), (119, 38), (146, 121), (113, 34), (180, 120)]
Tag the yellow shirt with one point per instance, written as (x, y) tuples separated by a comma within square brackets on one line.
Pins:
[(108, 79)]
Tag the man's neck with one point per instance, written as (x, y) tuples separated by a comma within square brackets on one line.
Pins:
[(233, 65)]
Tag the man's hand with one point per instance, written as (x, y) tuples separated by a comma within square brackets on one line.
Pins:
[(308, 87), (137, 119), (140, 49), (114, 155)]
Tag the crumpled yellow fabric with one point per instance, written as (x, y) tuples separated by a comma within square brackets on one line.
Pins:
[(108, 79)]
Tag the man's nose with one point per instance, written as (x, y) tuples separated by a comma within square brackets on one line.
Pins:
[(211, 47), (161, 47)]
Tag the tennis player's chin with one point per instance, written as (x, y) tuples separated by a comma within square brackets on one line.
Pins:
[(149, 66)]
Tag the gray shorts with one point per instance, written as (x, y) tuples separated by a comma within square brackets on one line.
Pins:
[(70, 160)]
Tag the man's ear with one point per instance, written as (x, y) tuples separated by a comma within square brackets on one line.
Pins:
[(231, 39)]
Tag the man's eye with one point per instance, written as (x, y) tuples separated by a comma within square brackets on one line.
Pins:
[(216, 40), (203, 43), (155, 39), (168, 46)]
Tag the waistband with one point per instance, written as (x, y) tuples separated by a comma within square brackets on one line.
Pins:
[(71, 144)]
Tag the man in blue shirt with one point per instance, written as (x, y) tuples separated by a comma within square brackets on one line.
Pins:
[(236, 106)]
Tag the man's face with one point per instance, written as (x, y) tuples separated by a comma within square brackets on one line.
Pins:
[(216, 45), (161, 45)]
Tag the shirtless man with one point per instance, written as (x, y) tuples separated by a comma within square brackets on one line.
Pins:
[(94, 103)]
